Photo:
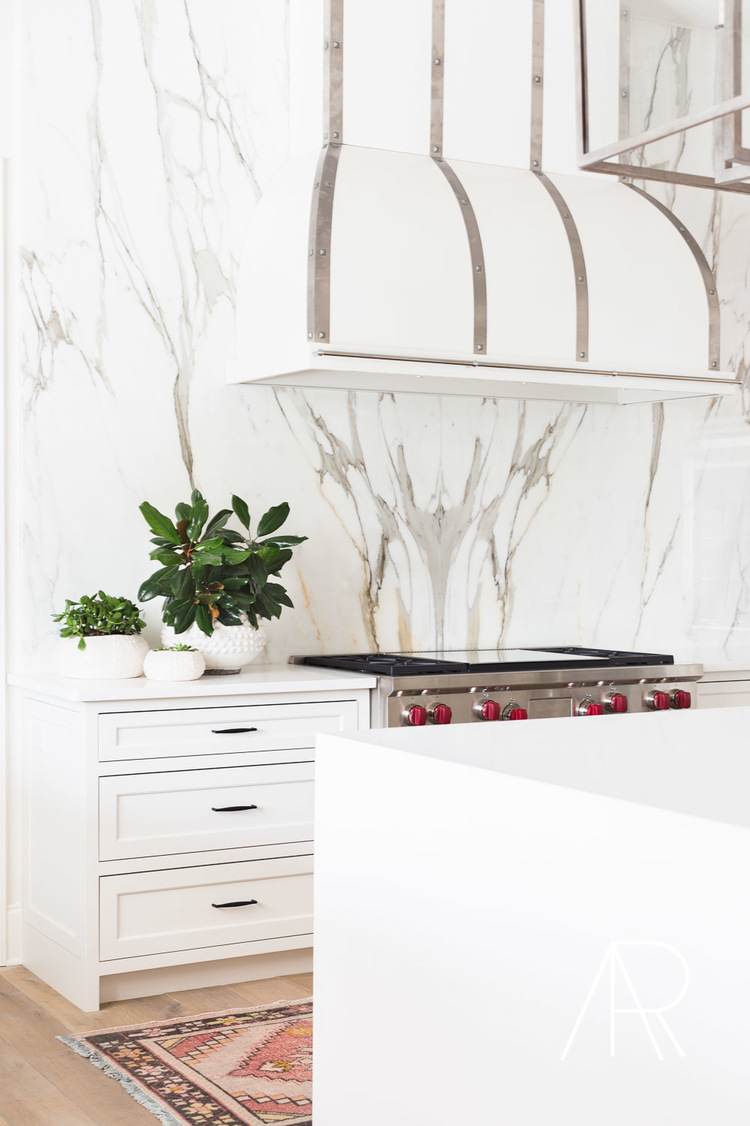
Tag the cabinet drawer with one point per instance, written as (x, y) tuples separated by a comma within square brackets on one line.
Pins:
[(195, 810), (178, 732), (159, 912)]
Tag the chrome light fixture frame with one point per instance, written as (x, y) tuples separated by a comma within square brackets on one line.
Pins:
[(731, 159)]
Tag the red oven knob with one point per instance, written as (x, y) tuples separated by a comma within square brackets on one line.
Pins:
[(489, 709), (514, 712), (658, 701), (441, 713), (416, 716), (681, 699), (617, 702), (591, 709)]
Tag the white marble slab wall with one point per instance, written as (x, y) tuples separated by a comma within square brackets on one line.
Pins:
[(149, 130)]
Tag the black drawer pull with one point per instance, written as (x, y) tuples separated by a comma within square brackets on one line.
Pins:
[(233, 730), (238, 903), (231, 808)]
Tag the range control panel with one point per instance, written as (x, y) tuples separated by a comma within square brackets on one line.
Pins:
[(419, 707)]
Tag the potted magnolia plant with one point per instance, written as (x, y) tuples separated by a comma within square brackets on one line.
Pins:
[(218, 583), (174, 662), (100, 638)]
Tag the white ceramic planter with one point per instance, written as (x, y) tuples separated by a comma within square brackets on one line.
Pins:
[(114, 657), (165, 665), (227, 650)]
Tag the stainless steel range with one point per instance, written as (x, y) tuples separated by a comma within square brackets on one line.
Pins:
[(486, 685)]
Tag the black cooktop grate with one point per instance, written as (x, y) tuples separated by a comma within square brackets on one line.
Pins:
[(448, 662)]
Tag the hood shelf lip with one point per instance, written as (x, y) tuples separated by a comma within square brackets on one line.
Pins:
[(310, 368), (721, 378)]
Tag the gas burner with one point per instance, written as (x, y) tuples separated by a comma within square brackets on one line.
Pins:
[(446, 661), (390, 664)]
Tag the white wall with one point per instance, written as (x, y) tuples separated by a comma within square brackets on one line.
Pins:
[(148, 133)]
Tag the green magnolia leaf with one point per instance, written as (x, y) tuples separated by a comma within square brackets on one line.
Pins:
[(218, 521), (167, 556), (278, 593), (252, 617), (159, 524), (234, 557), (195, 496), (182, 511), (285, 541), (182, 584), (203, 619), (270, 607), (242, 599), (241, 511), (268, 553), (273, 519), (282, 558), (257, 569), (198, 518), (182, 614), (229, 617), (158, 584), (229, 535), (232, 582)]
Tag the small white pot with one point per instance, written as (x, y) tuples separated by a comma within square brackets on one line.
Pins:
[(111, 657), (227, 650), (164, 665)]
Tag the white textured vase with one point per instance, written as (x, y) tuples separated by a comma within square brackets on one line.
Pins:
[(227, 650), (163, 664), (114, 657)]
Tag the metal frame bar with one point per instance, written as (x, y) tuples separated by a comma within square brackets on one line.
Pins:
[(579, 265), (728, 147), (643, 172), (509, 365), (437, 94), (709, 281), (624, 110), (321, 208), (537, 85), (598, 160), (479, 280), (535, 163), (660, 132)]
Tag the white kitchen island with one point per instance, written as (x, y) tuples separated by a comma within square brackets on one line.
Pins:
[(535, 924)]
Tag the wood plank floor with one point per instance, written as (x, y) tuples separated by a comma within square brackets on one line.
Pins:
[(44, 1083)]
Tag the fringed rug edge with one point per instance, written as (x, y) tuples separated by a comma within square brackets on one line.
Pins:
[(133, 1088)]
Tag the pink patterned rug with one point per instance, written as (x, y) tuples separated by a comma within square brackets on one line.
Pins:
[(244, 1067)]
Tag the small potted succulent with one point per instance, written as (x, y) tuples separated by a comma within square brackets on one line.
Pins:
[(218, 583), (174, 662), (100, 638)]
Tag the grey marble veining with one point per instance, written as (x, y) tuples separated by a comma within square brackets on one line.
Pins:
[(150, 130)]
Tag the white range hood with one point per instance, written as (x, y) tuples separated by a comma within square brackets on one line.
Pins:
[(386, 269)]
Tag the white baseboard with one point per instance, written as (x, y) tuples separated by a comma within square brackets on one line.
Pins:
[(13, 931), (198, 975)]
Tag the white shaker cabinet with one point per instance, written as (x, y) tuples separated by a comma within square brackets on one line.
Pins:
[(724, 688), (169, 827)]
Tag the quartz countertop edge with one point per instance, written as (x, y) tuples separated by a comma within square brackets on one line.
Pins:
[(263, 679)]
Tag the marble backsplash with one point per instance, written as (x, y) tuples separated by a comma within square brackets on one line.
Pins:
[(148, 135)]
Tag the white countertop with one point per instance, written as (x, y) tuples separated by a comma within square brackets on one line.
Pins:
[(262, 679), (531, 888), (655, 758)]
